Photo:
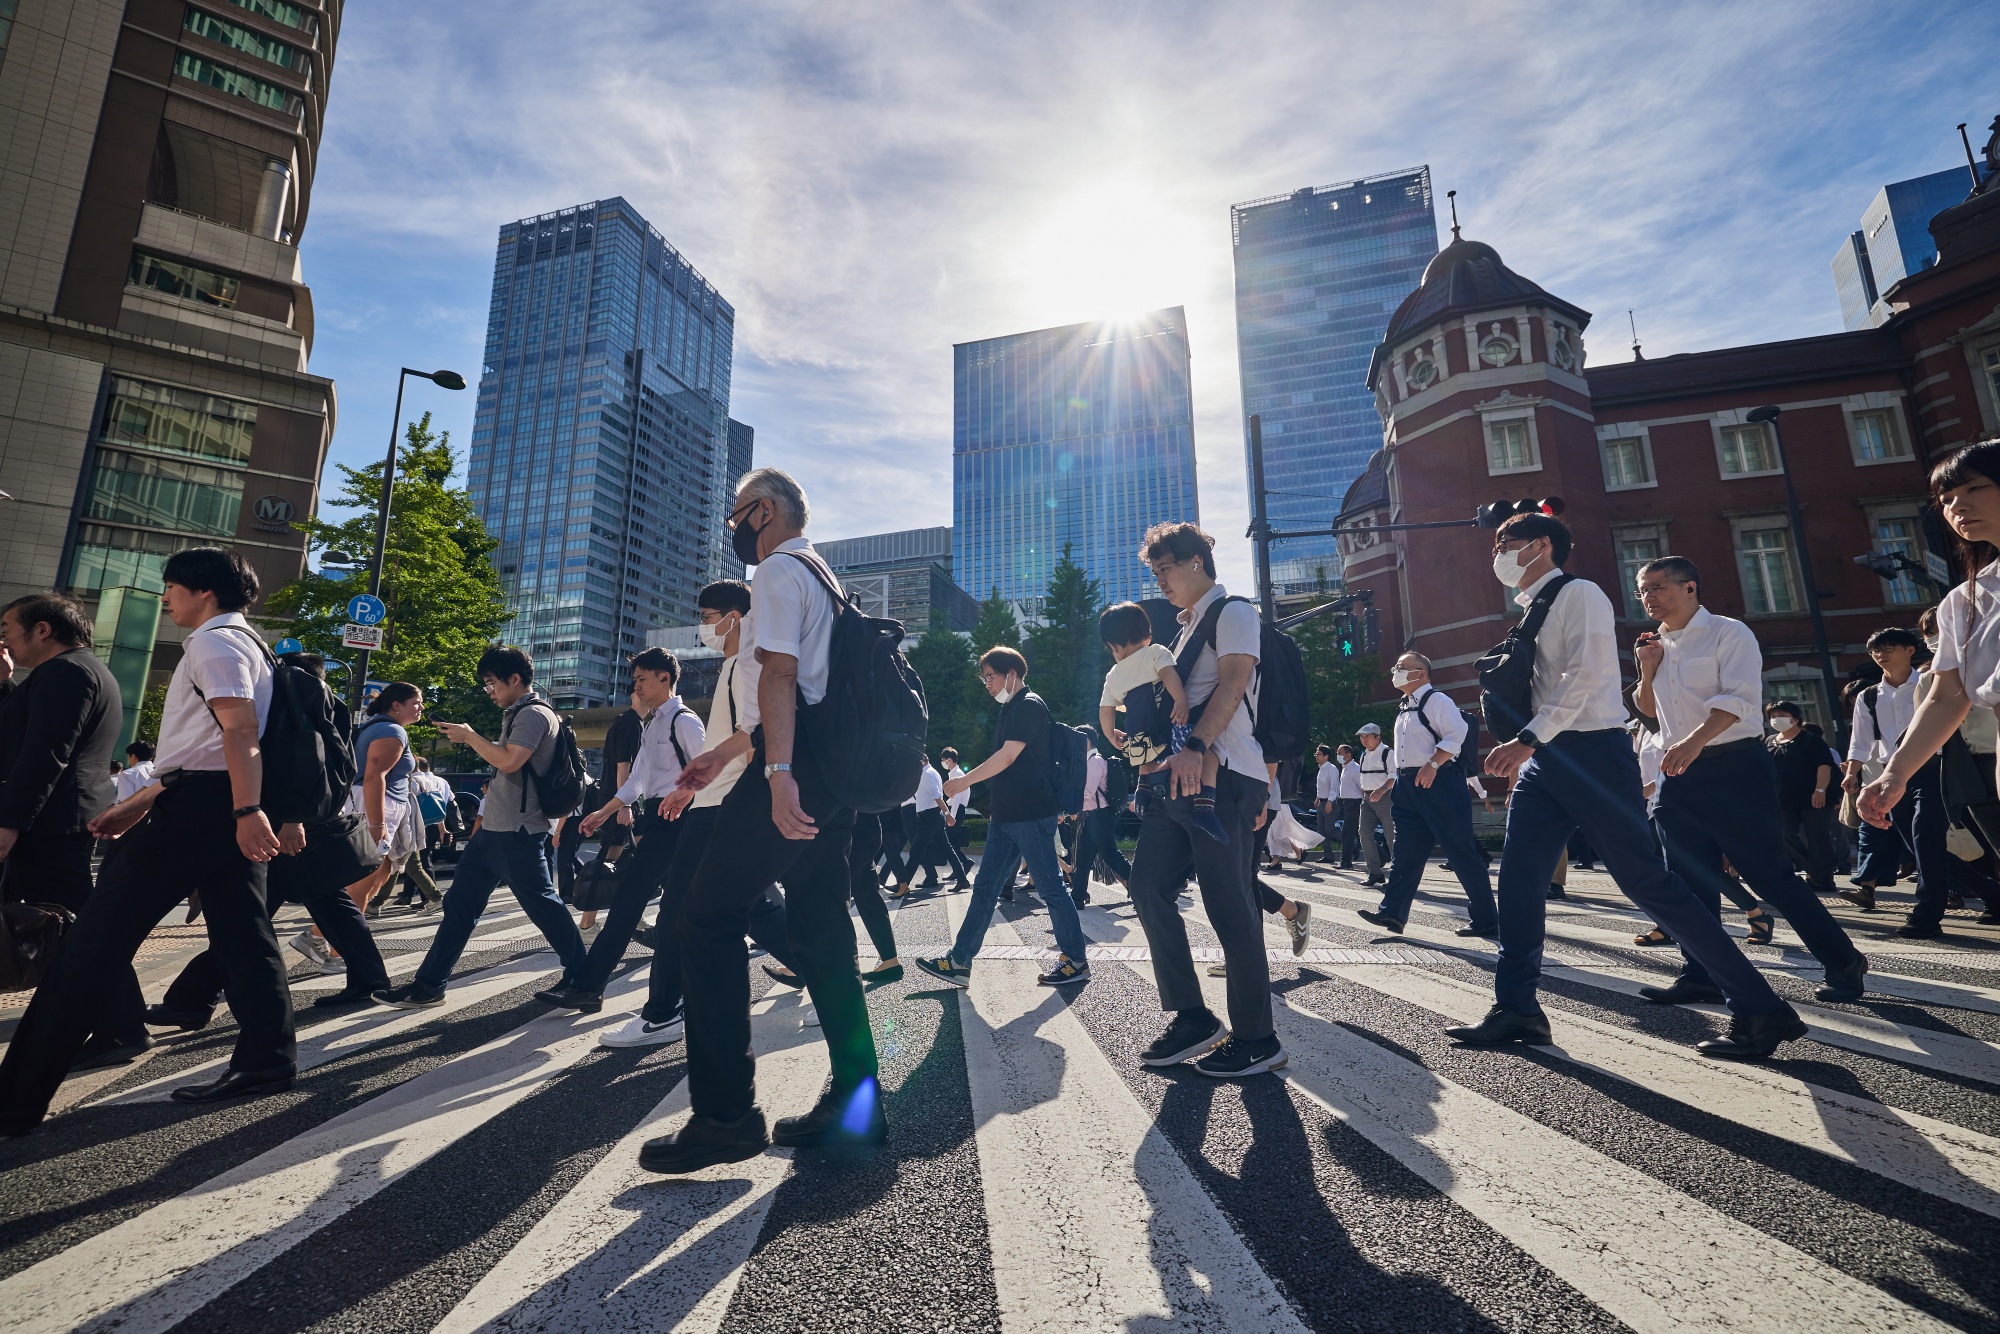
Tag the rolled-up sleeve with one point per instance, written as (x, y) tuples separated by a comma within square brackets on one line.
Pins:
[(1446, 720), (1739, 667), (1862, 746)]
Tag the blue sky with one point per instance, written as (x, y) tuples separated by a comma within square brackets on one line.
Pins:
[(870, 183)]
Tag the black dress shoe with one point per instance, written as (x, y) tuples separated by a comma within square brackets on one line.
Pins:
[(1920, 931), (159, 1016), (1845, 984), (1374, 878), (1502, 1026), (1382, 919), (704, 1142), (1683, 993), (647, 936), (351, 994), (1756, 1037), (851, 1116), (1557, 892), (1482, 932), (572, 998), (239, 1084), (101, 1052)]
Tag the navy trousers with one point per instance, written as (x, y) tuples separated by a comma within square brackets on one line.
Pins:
[(1432, 817), (1726, 805), (1922, 818), (524, 860), (1589, 782)]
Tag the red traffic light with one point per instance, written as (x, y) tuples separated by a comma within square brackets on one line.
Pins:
[(1494, 513)]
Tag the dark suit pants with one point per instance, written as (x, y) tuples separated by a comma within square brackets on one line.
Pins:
[(199, 986), (1923, 820), (49, 868), (862, 886), (639, 873), (1098, 837), (1809, 841), (1350, 831), (1726, 805), (1432, 817), (1588, 782), (187, 844), (746, 853), (923, 835)]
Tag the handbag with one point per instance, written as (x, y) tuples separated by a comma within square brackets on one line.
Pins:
[(596, 885), (30, 934)]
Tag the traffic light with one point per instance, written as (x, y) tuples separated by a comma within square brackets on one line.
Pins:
[(1371, 638), (1494, 513), (1346, 634)]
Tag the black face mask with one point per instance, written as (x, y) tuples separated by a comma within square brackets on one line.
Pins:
[(743, 539)]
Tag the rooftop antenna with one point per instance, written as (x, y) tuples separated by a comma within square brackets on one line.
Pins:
[(1451, 197), (1637, 355), (1970, 165)]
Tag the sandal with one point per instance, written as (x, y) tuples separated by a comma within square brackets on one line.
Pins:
[(1653, 937), (1761, 926)]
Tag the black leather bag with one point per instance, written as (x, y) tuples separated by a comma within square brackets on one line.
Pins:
[(1507, 671), (596, 885), (30, 934)]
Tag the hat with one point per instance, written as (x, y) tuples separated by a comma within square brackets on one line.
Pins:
[(1367, 728)]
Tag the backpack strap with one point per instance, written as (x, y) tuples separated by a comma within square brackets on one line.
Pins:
[(673, 737), (1420, 702), (1538, 610), (825, 576)]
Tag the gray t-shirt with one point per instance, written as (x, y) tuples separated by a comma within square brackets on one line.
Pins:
[(530, 722)]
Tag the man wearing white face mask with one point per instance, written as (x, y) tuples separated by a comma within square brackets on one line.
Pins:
[(1374, 770), (1432, 804), (1552, 695)]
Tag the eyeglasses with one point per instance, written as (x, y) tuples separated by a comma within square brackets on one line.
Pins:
[(1511, 543)]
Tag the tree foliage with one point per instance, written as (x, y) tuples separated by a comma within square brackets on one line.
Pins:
[(961, 710), (445, 603), (1066, 659), (996, 625), (1340, 687)]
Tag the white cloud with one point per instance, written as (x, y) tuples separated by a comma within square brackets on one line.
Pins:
[(870, 183)]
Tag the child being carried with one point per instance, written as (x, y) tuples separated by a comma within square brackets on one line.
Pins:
[(1146, 686)]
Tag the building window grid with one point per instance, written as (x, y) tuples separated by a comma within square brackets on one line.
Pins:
[(1769, 572), (1746, 450), (1628, 463), (1510, 446), (1635, 547), (1875, 437)]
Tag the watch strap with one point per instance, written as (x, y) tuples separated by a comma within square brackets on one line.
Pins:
[(242, 811)]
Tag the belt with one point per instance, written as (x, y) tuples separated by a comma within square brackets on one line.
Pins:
[(1741, 743), (1413, 768), (1579, 734)]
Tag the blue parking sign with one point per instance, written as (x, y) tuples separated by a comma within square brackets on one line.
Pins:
[(367, 609)]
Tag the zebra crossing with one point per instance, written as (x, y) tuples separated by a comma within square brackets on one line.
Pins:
[(473, 1167)]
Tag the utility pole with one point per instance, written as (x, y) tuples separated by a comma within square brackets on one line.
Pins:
[(1260, 521), (1809, 583)]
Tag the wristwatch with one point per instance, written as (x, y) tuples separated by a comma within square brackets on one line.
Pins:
[(1528, 739), (784, 768), (1195, 744), (242, 811)]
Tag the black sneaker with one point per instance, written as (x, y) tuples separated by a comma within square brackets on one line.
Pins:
[(1239, 1058), (1066, 972), (853, 1116), (1558, 892), (1190, 1034), (570, 998), (409, 996), (704, 1142)]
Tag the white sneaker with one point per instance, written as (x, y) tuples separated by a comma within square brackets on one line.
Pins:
[(1218, 970), (310, 945), (636, 1032), (810, 1019)]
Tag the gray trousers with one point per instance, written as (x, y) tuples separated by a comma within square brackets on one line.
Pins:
[(1371, 814), (1168, 844)]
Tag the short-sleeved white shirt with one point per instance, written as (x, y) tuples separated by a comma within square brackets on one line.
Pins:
[(1326, 783), (958, 800), (725, 712), (1140, 667), (1972, 650), (1350, 781), (790, 612), (224, 664), (1236, 631)]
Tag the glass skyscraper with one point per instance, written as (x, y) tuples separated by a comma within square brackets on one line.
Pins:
[(601, 446), (1318, 274), (1893, 243), (1081, 435)]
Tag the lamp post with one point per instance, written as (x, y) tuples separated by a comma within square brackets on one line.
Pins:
[(443, 380), (1808, 582)]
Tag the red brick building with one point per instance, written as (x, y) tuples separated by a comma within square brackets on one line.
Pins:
[(1484, 396)]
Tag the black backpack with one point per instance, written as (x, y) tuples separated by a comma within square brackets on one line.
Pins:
[(306, 744), (559, 788), (1069, 762), (1507, 671), (865, 737), (1468, 753), (1281, 717)]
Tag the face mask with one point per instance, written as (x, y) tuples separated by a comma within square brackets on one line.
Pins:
[(1507, 568), (743, 541), (712, 636), (1003, 696), (1781, 723), (1403, 676), (1931, 643)]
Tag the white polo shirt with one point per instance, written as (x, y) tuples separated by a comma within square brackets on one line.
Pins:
[(657, 766), (1414, 741), (930, 791), (1712, 662), (1237, 630), (224, 664), (958, 801), (131, 779), (1969, 647), (790, 612)]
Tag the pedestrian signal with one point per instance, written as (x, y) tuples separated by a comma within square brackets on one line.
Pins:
[(1496, 512), (1347, 636)]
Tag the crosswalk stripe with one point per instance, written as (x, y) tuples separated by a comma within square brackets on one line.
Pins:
[(1057, 1128), (404, 963), (152, 1271), (628, 1249)]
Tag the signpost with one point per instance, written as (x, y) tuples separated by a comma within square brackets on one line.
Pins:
[(356, 635), (286, 645), (364, 631), (367, 609)]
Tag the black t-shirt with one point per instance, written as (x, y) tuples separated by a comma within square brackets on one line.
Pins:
[(1799, 761), (1025, 789), (621, 746)]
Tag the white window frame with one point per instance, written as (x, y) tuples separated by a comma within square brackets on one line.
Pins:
[(1891, 416), (1628, 597), (1734, 420), (1802, 685), (1778, 523), (1526, 415), (1905, 510), (1607, 434)]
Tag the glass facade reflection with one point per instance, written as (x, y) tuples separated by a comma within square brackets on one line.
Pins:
[(1081, 435), (1318, 274), (1893, 243), (600, 446)]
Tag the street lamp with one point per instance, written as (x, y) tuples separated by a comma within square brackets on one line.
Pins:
[(1807, 581), (443, 380)]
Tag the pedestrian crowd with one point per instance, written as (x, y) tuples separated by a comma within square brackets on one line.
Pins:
[(805, 788)]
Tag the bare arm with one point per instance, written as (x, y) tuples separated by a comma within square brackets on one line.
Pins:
[(1107, 723), (777, 701), (238, 720), (1170, 677), (506, 759), (382, 756), (993, 764)]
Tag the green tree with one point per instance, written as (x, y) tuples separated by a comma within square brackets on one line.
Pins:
[(996, 625), (959, 705), (1066, 659), (445, 603), (1339, 687)]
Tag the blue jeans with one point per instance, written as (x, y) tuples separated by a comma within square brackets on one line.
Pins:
[(523, 860), (1007, 843), (1589, 781), (1922, 819), (1880, 852), (1436, 816)]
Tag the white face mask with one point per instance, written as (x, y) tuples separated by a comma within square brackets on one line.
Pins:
[(1931, 643), (1403, 676), (712, 636), (1782, 723), (1507, 568), (1002, 696)]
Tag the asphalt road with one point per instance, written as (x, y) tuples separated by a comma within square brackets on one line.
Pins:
[(474, 1167)]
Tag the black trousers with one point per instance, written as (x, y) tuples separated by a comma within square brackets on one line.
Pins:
[(187, 844), (1350, 831), (864, 888), (745, 853), (201, 985), (766, 924), (49, 868), (1097, 836), (1809, 840), (922, 843), (640, 873)]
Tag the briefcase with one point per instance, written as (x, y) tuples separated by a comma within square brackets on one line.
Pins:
[(30, 934)]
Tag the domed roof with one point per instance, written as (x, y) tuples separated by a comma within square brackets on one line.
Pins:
[(1464, 277), (1368, 491)]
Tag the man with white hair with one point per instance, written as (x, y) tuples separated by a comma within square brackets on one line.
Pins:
[(780, 822), (1375, 770)]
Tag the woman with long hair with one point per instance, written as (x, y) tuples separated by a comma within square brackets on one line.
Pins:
[(1965, 675)]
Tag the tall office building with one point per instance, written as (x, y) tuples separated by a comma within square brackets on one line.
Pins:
[(903, 576), (1081, 435), (156, 168), (742, 446), (601, 449), (1318, 273), (1893, 243)]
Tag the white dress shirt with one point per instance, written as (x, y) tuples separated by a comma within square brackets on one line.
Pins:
[(724, 710), (131, 779), (1414, 741), (1375, 767), (790, 612), (1650, 751), (1894, 707), (225, 664), (1096, 773), (657, 766), (1350, 781), (1237, 630), (957, 803), (1326, 783), (1972, 649), (1712, 662), (1575, 684), (930, 791)]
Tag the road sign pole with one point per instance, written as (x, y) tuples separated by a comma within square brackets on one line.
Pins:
[(381, 537)]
